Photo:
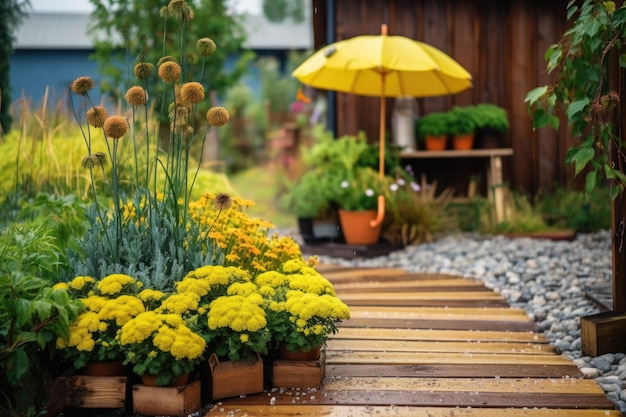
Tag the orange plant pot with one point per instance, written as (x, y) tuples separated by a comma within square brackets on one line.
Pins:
[(435, 143), (356, 228), (463, 142)]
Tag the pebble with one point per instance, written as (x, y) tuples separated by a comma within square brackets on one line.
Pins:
[(545, 278)]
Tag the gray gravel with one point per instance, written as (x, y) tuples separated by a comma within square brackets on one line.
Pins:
[(547, 279)]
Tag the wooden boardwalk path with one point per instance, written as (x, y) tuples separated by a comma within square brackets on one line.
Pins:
[(431, 345)]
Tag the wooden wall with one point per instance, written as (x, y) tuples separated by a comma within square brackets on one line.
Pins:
[(501, 43)]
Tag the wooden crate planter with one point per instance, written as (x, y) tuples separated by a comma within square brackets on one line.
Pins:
[(235, 378), (101, 391), (167, 401), (603, 333), (297, 374)]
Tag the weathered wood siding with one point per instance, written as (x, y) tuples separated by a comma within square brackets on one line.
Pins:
[(501, 43)]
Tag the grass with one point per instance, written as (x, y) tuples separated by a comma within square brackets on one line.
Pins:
[(260, 184)]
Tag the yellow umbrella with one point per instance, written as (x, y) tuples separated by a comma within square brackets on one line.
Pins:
[(383, 66)]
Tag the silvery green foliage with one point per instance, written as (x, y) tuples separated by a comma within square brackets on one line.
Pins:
[(151, 246)]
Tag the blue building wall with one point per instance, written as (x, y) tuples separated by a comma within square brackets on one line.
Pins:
[(32, 70)]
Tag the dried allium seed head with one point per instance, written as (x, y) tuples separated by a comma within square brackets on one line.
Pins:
[(169, 72), (222, 201), (206, 47), (82, 85), (136, 96), (191, 93), (177, 6), (101, 157), (166, 58), (143, 70), (187, 14), (217, 116), (115, 127), (96, 116), (192, 58), (88, 162)]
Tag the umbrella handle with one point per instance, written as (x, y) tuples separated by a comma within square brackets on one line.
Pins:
[(380, 215)]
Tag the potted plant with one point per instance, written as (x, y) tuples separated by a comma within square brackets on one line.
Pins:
[(356, 195), (462, 126), (433, 129), (92, 345), (161, 347), (306, 199), (301, 306), (492, 123)]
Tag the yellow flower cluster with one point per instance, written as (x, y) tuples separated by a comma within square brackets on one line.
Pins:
[(167, 332), (237, 312), (118, 283), (244, 241), (93, 336)]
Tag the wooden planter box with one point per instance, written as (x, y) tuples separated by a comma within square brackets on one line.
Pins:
[(167, 401), (235, 378), (101, 391), (297, 374), (603, 333)]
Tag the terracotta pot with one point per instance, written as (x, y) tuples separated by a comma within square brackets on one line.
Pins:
[(463, 142), (356, 228), (298, 355), (105, 368), (150, 380), (435, 143)]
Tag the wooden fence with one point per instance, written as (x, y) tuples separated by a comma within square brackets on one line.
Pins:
[(501, 43)]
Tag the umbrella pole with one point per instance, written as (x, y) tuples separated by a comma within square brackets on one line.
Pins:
[(380, 215)]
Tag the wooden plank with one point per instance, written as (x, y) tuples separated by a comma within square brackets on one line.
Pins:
[(495, 314), (434, 358), (430, 399), (457, 284), (468, 324), (453, 371), (435, 295), (237, 410), (440, 335), (511, 385), (423, 346)]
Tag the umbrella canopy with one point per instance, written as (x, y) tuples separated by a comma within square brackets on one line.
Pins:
[(383, 66), (387, 66)]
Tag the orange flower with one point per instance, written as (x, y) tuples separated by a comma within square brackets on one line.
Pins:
[(300, 96)]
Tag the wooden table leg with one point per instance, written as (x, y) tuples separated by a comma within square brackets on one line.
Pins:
[(495, 186)]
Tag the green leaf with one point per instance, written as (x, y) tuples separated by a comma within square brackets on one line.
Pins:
[(571, 10), (576, 107), (555, 122), (581, 158), (540, 118), (590, 182), (609, 172), (23, 312), (535, 94), (18, 364)]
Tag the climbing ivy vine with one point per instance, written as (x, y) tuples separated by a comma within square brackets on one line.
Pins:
[(580, 91)]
